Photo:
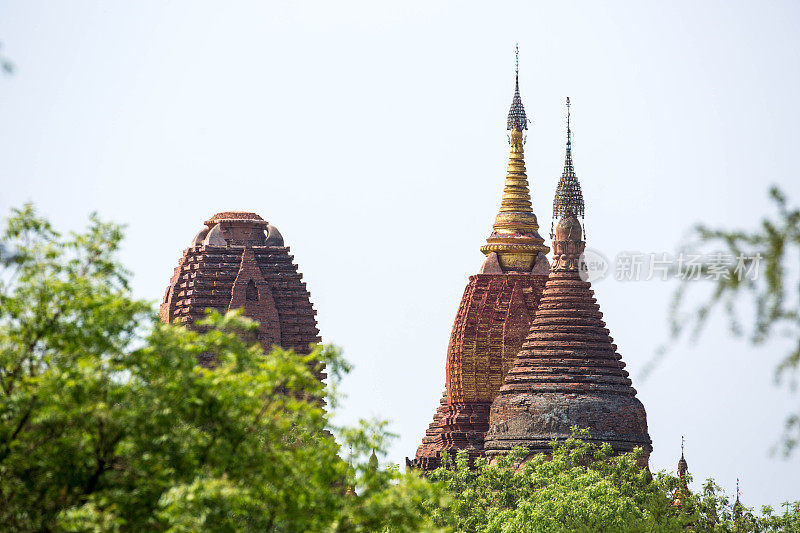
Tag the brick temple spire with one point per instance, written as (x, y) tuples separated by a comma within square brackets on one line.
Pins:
[(494, 315), (239, 261), (568, 372)]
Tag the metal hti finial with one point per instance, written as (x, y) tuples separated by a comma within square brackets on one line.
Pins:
[(517, 119), (569, 197), (682, 441)]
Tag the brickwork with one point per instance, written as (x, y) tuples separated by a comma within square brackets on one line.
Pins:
[(492, 321), (240, 261)]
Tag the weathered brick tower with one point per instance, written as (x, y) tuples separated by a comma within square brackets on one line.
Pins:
[(494, 315), (239, 261), (568, 372)]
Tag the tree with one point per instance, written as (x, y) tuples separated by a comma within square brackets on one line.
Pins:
[(758, 265), (108, 423), (583, 487)]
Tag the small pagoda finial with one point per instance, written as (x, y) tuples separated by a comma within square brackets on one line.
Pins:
[(683, 467), (569, 197), (737, 507), (517, 119), (682, 490)]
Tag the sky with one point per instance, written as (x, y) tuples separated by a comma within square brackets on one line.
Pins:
[(373, 136)]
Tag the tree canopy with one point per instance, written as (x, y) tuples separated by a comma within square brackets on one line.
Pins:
[(108, 423)]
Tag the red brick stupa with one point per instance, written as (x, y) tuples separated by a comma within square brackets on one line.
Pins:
[(494, 315), (239, 261), (568, 372)]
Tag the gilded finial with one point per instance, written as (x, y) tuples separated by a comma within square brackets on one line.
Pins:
[(515, 237)]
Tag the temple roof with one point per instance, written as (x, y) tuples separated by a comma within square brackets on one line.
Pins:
[(238, 261)]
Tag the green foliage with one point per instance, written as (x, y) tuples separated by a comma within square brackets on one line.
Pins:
[(107, 422), (774, 295), (583, 487)]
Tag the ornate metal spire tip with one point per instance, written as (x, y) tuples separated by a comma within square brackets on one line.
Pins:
[(569, 131), (517, 119), (569, 197)]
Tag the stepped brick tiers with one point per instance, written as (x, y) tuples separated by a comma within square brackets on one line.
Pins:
[(568, 372), (493, 317), (239, 261)]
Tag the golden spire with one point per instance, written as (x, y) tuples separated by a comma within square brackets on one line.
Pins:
[(515, 238)]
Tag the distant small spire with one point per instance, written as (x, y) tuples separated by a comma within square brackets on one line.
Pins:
[(682, 490), (737, 507), (683, 467), (373, 461)]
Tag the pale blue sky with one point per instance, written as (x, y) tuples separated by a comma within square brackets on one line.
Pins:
[(373, 135)]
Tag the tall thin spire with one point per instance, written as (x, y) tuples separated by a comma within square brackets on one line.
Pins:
[(515, 238), (569, 197), (517, 119)]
